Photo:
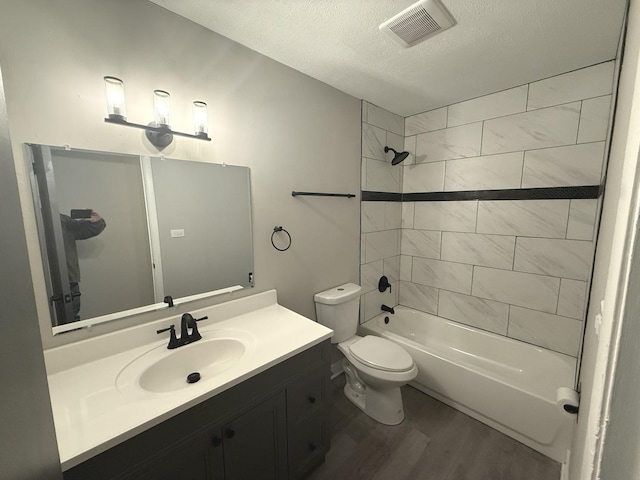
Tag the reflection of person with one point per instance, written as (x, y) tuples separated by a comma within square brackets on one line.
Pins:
[(78, 229)]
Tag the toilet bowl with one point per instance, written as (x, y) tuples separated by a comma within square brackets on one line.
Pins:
[(375, 367), (381, 367)]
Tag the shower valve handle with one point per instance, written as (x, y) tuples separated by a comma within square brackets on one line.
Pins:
[(383, 284)]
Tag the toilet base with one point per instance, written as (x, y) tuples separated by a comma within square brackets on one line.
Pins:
[(384, 406)]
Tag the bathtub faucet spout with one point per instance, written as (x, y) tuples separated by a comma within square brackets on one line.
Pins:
[(384, 308)]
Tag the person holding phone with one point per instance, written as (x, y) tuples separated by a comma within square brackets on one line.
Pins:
[(82, 224)]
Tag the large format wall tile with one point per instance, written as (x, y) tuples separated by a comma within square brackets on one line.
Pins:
[(474, 311), (392, 215), (582, 219), (381, 245), (523, 289), (410, 146), (370, 274), (405, 267), (381, 176), (408, 209), (514, 267), (425, 122), (563, 166), (573, 298), (447, 275), (495, 105), (447, 216), (549, 127), (373, 141), (588, 82), (394, 141), (382, 118), (491, 172), (420, 243), (549, 331), (371, 301), (372, 217), (455, 142), (419, 297), (559, 258), (476, 249), (423, 177), (529, 218), (594, 119), (391, 268)]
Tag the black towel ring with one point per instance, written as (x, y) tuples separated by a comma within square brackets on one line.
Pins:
[(280, 229)]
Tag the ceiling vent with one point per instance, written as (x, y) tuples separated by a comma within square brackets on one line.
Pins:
[(418, 22)]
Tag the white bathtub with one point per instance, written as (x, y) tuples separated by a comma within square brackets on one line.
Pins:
[(508, 385)]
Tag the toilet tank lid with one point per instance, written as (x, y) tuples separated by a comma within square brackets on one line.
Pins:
[(339, 294)]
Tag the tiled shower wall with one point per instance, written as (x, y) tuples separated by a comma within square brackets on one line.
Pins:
[(518, 268)]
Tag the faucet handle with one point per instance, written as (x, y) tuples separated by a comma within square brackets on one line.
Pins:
[(383, 284), (203, 318), (171, 328), (173, 340)]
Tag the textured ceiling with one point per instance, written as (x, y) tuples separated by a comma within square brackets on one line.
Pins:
[(496, 44)]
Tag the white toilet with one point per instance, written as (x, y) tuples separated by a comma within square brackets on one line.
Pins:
[(375, 367)]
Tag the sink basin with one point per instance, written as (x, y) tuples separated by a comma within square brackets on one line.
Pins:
[(161, 370)]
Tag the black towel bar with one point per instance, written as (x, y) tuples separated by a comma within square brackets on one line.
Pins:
[(318, 194)]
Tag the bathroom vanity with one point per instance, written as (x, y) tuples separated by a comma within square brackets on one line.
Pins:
[(263, 414)]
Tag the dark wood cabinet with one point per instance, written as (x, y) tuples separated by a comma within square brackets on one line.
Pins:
[(307, 417), (255, 443), (273, 426)]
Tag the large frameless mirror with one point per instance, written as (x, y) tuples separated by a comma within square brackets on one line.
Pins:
[(122, 234)]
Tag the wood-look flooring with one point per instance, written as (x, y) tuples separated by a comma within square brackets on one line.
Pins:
[(434, 442)]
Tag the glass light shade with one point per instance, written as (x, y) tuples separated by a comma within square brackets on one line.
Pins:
[(114, 90), (200, 118), (161, 105)]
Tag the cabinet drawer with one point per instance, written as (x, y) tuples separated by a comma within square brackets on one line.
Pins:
[(308, 395), (307, 446)]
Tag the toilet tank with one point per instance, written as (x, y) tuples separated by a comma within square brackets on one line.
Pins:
[(337, 308)]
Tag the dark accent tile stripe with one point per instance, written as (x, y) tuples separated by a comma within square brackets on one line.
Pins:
[(551, 193), (381, 197)]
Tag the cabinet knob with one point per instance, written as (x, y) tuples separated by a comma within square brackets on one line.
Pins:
[(312, 447), (312, 399), (230, 433), (217, 441)]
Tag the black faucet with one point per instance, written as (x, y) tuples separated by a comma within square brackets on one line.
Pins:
[(187, 323), (384, 308)]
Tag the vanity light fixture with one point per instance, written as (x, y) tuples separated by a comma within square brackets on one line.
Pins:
[(159, 131)]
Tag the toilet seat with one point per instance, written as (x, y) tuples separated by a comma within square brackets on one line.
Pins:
[(381, 354)]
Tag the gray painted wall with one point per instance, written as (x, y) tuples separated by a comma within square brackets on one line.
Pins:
[(294, 132), (112, 186), (213, 207), (28, 447)]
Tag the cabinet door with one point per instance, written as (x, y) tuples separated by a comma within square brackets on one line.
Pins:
[(255, 443), (190, 462)]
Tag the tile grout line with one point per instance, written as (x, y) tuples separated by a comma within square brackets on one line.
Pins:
[(579, 121)]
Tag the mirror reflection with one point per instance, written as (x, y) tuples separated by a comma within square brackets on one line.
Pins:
[(120, 233)]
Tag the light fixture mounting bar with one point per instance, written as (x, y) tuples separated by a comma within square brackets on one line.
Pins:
[(161, 129)]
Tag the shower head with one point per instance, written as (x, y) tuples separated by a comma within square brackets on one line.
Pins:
[(398, 157)]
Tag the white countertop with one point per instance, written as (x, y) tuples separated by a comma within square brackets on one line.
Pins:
[(91, 415)]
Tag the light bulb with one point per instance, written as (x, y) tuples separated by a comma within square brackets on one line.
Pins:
[(114, 90), (161, 105), (200, 118)]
